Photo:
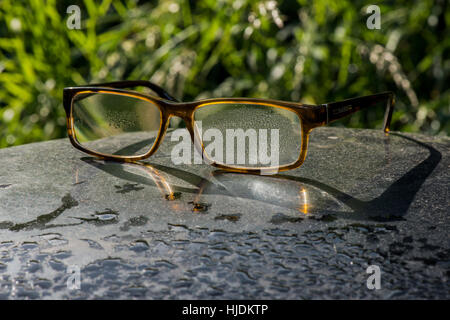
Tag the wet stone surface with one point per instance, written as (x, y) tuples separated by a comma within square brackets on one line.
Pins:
[(156, 231)]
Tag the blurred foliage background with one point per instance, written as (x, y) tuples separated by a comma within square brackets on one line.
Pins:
[(306, 51)]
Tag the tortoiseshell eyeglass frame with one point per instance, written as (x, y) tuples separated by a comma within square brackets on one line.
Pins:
[(311, 116)]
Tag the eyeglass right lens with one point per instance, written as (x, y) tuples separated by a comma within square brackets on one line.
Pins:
[(115, 124)]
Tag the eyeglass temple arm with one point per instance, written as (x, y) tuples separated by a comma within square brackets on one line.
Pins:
[(340, 109), (138, 83)]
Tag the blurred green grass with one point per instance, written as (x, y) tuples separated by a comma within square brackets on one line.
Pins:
[(305, 51)]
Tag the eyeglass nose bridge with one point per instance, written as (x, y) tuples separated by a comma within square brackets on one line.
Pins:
[(181, 110), (184, 111)]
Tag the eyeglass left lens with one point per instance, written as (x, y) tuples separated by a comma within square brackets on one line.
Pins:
[(115, 124), (249, 135)]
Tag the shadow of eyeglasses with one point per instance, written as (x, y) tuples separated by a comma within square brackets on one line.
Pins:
[(303, 195)]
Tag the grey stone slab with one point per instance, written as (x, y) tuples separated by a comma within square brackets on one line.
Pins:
[(155, 230)]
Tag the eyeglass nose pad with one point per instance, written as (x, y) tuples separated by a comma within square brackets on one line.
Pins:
[(174, 121), (195, 130)]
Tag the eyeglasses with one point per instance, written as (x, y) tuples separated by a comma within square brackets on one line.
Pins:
[(236, 134)]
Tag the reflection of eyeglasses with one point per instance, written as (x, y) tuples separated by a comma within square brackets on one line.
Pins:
[(257, 135)]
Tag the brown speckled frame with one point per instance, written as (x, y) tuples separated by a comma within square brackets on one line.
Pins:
[(311, 116)]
